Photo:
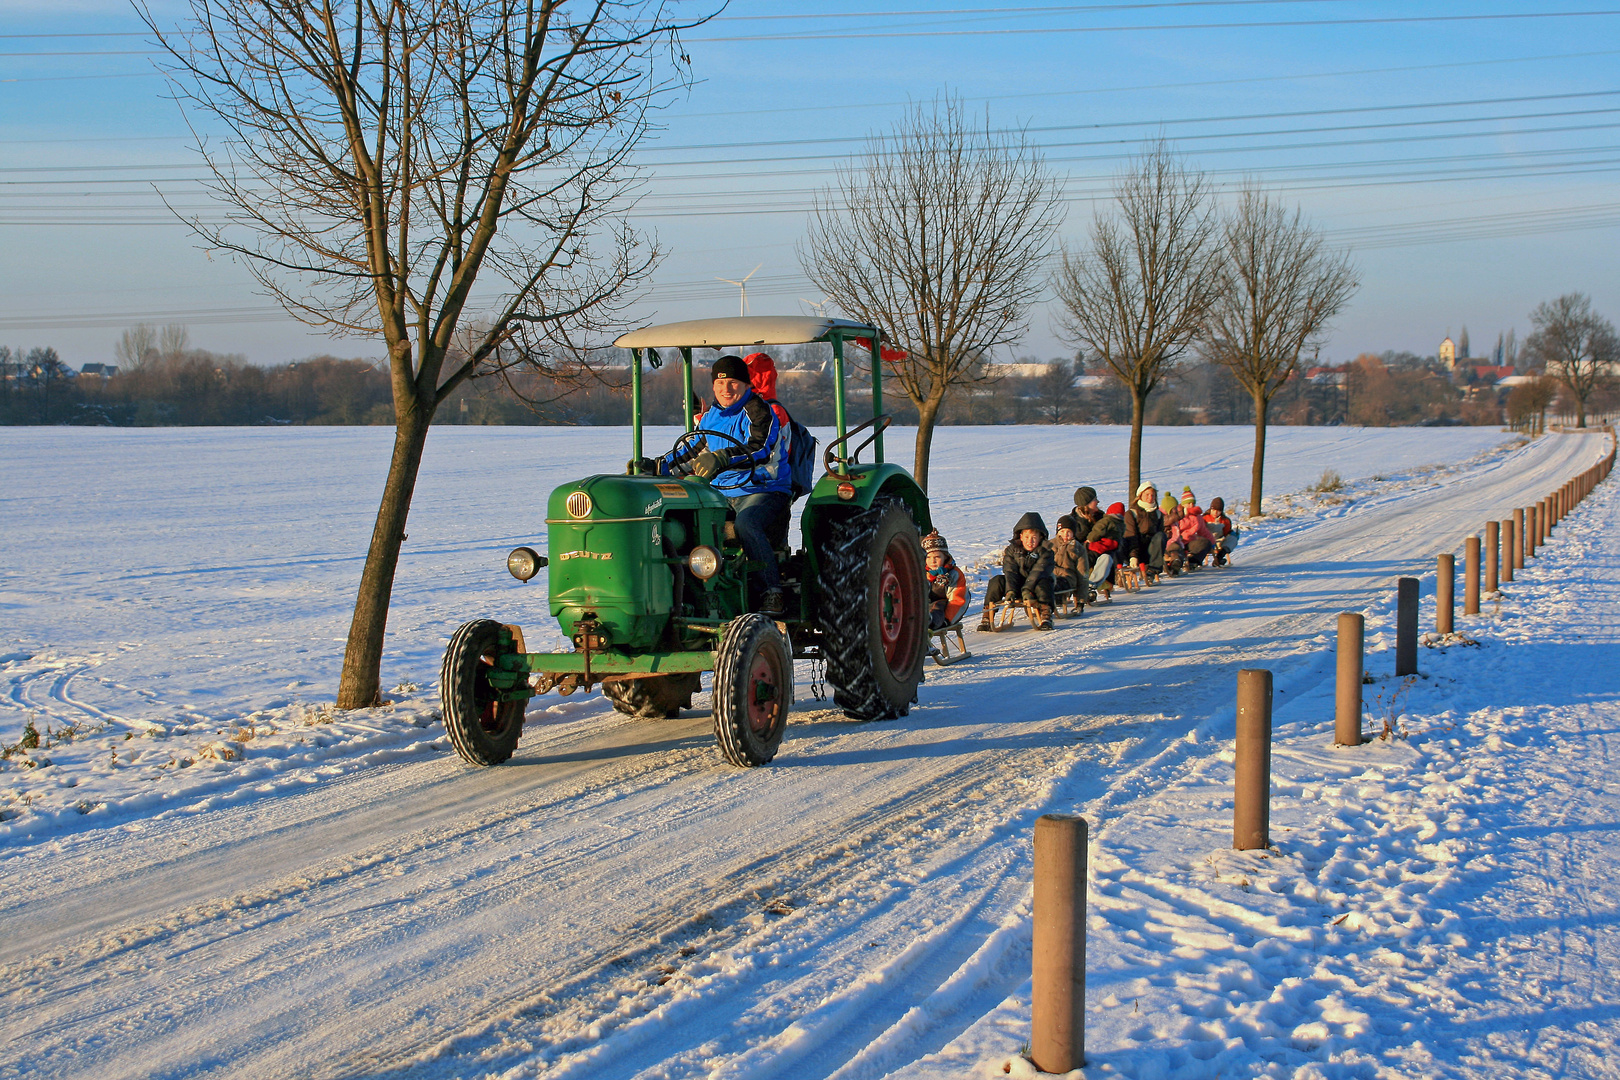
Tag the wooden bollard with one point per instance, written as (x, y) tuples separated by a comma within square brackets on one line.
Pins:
[(1509, 540), (1058, 995), (1471, 576), (1406, 626), (1347, 698), (1251, 794), (1542, 528), (1518, 539), (1445, 593), (1493, 547)]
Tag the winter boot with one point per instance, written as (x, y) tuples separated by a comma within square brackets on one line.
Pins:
[(771, 603), (1043, 617), (985, 623)]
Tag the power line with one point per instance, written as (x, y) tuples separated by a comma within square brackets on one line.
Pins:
[(1171, 85), (1388, 20)]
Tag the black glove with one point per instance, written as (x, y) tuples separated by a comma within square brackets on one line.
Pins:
[(708, 464), (645, 466)]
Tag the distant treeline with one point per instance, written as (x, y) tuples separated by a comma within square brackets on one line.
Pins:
[(195, 387)]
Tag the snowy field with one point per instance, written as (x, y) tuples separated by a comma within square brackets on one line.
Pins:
[(212, 873)]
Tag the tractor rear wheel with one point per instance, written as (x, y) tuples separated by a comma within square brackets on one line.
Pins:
[(483, 728), (660, 697), (874, 611), (753, 690)]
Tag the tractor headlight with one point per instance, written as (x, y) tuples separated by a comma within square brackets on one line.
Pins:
[(704, 562), (524, 563)]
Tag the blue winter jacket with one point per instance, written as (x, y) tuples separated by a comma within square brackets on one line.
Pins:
[(753, 423)]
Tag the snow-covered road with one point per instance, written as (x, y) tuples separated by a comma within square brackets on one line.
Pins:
[(615, 903)]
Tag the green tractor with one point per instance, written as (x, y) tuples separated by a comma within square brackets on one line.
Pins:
[(649, 582)]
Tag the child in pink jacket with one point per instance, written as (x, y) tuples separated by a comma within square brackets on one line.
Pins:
[(1195, 537)]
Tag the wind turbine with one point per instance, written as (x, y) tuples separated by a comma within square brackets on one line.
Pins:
[(742, 308), (820, 308)]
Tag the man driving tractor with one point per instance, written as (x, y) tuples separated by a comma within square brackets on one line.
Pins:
[(748, 464)]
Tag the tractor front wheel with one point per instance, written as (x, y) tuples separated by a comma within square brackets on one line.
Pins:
[(753, 690), (874, 611), (660, 697), (483, 728)]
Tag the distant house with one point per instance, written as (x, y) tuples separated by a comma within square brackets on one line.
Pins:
[(106, 371), (1508, 382), (1492, 372)]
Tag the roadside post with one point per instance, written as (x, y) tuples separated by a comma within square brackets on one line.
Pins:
[(1493, 548), (1406, 626), (1058, 995), (1519, 540), (1471, 576), (1510, 541), (1347, 696), (1445, 593), (1251, 795)]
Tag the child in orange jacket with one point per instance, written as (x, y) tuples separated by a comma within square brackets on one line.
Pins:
[(947, 585)]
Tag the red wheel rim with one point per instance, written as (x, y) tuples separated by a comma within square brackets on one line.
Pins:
[(489, 705), (898, 604), (764, 694)]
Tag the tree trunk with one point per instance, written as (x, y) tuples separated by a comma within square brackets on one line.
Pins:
[(1580, 412), (1259, 469), (927, 420), (361, 683), (1138, 410)]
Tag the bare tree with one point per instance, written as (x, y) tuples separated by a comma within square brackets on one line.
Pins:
[(1280, 284), (936, 237), (430, 172), (173, 340), (135, 346), (1576, 345), (1527, 403), (1055, 390), (1137, 299)]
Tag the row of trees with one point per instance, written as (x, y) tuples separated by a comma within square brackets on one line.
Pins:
[(942, 234)]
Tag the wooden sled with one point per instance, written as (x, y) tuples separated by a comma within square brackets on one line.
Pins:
[(1005, 614), (1130, 578), (1068, 603), (940, 650)]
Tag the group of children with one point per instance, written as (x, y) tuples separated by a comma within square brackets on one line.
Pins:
[(1153, 537)]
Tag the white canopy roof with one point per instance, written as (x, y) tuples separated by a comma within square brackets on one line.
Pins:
[(745, 330)]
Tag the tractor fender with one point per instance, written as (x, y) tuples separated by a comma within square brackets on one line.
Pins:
[(869, 482)]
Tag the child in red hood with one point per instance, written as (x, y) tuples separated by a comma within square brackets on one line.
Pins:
[(762, 377)]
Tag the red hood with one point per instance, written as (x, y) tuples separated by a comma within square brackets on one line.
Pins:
[(761, 374)]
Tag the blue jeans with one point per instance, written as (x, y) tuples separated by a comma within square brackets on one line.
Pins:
[(762, 521)]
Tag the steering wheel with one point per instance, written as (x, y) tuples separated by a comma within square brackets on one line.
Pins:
[(693, 435)]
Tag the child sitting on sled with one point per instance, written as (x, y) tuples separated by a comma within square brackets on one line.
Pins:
[(947, 585), (1220, 527)]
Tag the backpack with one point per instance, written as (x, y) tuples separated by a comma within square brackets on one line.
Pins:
[(801, 453)]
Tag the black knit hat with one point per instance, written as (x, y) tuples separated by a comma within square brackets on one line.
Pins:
[(729, 367), (935, 542), (1084, 497)]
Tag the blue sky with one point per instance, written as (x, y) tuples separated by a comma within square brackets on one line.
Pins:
[(1466, 156)]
